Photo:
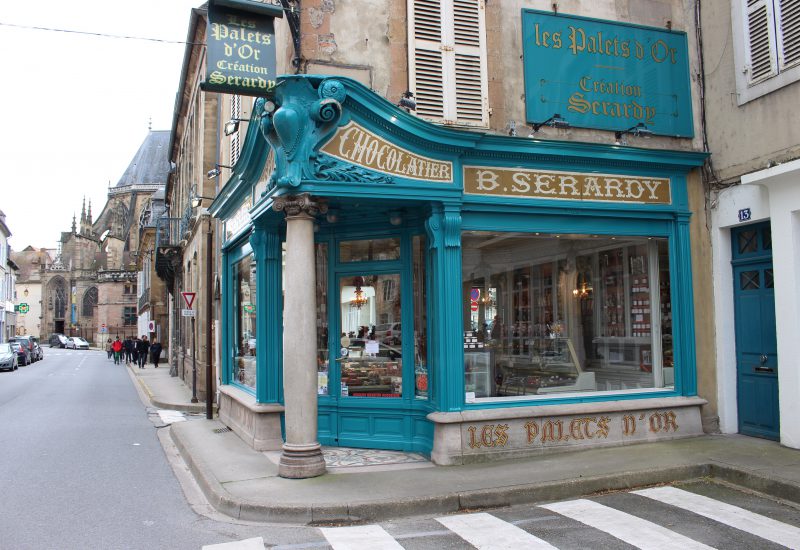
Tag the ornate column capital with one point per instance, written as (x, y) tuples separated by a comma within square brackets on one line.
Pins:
[(303, 205)]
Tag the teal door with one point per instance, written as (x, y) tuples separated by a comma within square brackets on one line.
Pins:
[(756, 346)]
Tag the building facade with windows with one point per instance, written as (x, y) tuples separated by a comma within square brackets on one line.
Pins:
[(752, 90), (431, 245), (30, 261)]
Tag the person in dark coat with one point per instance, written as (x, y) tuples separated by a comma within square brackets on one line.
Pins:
[(128, 344), (155, 352), (142, 347)]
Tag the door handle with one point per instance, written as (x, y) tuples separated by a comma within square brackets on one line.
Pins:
[(763, 358), (764, 369)]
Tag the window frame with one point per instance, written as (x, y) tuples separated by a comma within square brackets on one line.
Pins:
[(780, 77)]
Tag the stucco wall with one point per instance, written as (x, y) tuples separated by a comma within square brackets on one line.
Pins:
[(747, 137)]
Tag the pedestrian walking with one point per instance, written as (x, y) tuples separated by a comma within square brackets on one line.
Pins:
[(142, 347), (128, 346), (116, 347), (155, 352), (109, 351)]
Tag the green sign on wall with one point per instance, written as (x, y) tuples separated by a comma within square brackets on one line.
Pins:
[(606, 75), (240, 50)]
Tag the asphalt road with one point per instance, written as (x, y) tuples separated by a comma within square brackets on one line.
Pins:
[(81, 465)]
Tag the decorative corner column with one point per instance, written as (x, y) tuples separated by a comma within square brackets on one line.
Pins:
[(302, 454)]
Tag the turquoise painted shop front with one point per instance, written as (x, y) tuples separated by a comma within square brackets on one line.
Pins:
[(403, 302)]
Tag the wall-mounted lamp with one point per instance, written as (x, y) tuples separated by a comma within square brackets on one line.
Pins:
[(407, 102), (639, 130), (332, 216), (395, 217), (214, 172), (25, 293), (232, 126), (555, 121), (197, 200)]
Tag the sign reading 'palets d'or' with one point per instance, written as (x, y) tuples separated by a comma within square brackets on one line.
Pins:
[(606, 74), (240, 50), (551, 184), (357, 145)]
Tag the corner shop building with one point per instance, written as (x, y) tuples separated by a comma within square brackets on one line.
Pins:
[(393, 284)]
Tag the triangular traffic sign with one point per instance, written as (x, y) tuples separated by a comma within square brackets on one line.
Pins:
[(188, 297)]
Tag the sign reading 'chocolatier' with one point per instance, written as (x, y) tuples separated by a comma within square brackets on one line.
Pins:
[(241, 51)]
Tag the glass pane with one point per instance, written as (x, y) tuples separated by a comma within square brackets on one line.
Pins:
[(749, 280), (769, 279), (369, 250), (553, 314), (421, 381), (321, 252), (748, 241), (371, 357), (245, 359)]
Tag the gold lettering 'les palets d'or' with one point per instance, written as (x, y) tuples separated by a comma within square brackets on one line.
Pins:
[(357, 145), (510, 182), (579, 41)]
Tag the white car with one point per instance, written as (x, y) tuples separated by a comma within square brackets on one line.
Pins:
[(76, 342)]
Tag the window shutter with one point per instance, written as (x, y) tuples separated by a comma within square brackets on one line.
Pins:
[(447, 61), (236, 112), (788, 18), (760, 45)]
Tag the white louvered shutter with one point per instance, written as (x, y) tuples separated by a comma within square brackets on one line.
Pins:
[(760, 44), (788, 18), (447, 61)]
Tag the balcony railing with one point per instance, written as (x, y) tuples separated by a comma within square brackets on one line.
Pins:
[(144, 299), (168, 232)]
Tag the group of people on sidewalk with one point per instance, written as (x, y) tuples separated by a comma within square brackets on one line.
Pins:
[(134, 350)]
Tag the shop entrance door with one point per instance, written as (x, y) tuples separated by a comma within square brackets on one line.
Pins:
[(756, 346), (369, 370)]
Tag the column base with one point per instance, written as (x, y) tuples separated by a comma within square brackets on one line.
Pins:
[(301, 461)]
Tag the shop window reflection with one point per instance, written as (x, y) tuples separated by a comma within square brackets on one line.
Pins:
[(321, 254), (421, 379), (557, 314), (371, 359), (245, 359)]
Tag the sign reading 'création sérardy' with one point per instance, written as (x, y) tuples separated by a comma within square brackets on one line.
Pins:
[(551, 184), (240, 48), (605, 74)]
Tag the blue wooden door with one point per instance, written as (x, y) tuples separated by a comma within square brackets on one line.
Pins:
[(756, 346)]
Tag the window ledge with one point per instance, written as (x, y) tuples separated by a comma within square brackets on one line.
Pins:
[(248, 400)]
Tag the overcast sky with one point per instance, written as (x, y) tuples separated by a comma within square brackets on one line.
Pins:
[(75, 108)]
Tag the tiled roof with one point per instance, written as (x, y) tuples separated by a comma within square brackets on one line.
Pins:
[(150, 164)]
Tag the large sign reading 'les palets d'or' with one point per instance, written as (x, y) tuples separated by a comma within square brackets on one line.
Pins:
[(605, 74)]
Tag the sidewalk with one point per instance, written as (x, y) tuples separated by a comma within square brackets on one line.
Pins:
[(243, 483)]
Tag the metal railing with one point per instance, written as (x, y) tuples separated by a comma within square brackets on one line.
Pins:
[(168, 232), (144, 299)]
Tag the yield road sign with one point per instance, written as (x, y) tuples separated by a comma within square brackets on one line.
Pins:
[(188, 297)]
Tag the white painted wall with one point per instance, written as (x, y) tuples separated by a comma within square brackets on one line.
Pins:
[(772, 194)]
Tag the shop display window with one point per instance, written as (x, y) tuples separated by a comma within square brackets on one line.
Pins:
[(369, 250), (548, 315), (244, 275), (371, 359), (421, 379), (323, 362)]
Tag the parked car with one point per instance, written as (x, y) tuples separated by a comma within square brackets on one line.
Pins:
[(27, 342), (58, 341), (8, 357), (76, 342), (23, 355), (38, 352), (388, 333)]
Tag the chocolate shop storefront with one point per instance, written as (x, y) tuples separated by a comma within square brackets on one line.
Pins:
[(394, 284)]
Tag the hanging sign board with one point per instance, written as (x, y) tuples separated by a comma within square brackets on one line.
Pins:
[(240, 47), (605, 74)]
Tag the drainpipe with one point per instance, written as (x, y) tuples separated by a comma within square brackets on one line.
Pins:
[(209, 324)]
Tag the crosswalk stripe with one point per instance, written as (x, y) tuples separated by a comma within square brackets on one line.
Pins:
[(361, 537), (256, 543), (745, 520), (487, 532), (626, 527)]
